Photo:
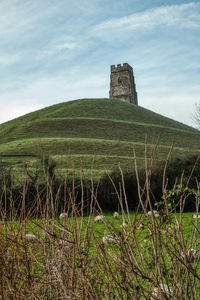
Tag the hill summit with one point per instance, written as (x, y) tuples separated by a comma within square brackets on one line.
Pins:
[(93, 134)]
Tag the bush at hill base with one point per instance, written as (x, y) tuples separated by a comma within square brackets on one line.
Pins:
[(181, 176)]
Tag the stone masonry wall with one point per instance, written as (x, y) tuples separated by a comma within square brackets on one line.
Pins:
[(122, 84)]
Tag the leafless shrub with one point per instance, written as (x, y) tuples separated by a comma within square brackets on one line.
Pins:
[(148, 257)]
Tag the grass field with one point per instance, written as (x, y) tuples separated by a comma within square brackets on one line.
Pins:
[(93, 133), (69, 259), (154, 255)]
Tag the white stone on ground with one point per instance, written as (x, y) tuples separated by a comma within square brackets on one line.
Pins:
[(63, 216), (163, 292), (140, 226), (195, 216), (109, 239), (190, 254), (99, 218), (30, 238), (116, 215), (154, 213), (124, 225), (64, 243)]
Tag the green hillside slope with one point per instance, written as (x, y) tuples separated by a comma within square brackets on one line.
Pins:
[(93, 133)]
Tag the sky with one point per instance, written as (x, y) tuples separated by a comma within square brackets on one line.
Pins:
[(56, 51)]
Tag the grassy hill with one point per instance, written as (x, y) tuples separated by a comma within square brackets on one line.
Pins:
[(93, 133)]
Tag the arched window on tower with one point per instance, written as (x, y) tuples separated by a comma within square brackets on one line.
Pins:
[(119, 80)]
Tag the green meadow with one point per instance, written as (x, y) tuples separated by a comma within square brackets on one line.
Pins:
[(68, 258), (94, 134)]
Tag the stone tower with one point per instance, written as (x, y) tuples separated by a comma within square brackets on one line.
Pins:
[(122, 84)]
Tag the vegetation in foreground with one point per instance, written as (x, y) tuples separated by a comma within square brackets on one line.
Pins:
[(152, 253)]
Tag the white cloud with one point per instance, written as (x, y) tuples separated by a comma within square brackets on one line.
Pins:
[(66, 46), (184, 16), (16, 109), (15, 17), (176, 106), (8, 59), (49, 91), (56, 47), (54, 89)]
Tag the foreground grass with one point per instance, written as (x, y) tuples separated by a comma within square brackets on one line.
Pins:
[(154, 256), (35, 226), (68, 259)]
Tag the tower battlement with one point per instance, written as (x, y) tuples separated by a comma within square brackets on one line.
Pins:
[(119, 67), (122, 83)]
